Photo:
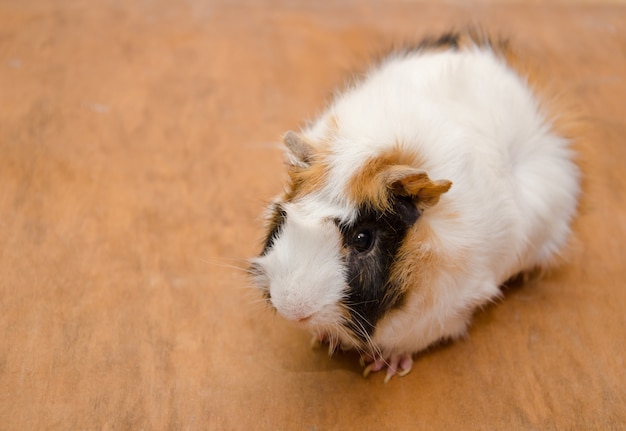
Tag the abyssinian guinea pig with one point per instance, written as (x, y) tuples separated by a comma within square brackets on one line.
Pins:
[(423, 187)]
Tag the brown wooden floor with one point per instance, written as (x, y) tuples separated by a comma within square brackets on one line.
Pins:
[(138, 145)]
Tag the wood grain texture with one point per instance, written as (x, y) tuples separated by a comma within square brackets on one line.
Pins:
[(138, 146)]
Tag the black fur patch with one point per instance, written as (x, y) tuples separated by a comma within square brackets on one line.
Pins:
[(275, 225), (454, 41), (370, 293), (256, 271), (447, 40)]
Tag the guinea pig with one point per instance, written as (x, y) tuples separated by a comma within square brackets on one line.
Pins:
[(424, 186)]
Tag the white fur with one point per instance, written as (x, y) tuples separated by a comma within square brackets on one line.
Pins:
[(309, 242), (475, 123)]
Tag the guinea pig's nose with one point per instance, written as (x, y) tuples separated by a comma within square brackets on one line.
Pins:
[(300, 315)]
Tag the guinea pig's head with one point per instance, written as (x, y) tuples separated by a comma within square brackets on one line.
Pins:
[(332, 242)]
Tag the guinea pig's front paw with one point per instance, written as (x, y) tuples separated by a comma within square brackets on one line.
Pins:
[(399, 364)]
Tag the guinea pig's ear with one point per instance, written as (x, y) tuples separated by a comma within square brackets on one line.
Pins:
[(416, 183), (299, 152)]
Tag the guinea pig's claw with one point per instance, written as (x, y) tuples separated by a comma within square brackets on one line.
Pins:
[(375, 366), (397, 365), (365, 359), (400, 365), (316, 343), (389, 375), (406, 364), (332, 348), (318, 340)]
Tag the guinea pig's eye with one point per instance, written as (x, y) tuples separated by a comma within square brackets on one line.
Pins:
[(362, 240)]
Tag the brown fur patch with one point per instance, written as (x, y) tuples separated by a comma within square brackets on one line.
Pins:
[(416, 263), (369, 183), (303, 181), (311, 175), (422, 258), (395, 172), (417, 183), (306, 179)]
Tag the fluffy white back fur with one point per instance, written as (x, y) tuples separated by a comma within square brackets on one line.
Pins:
[(473, 121)]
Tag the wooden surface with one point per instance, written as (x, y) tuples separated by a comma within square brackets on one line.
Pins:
[(138, 146)]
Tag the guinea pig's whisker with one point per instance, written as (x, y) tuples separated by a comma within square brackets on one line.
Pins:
[(352, 304), (341, 329), (249, 287), (353, 279), (352, 310), (374, 349), (258, 301), (222, 264), (241, 260), (360, 330)]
